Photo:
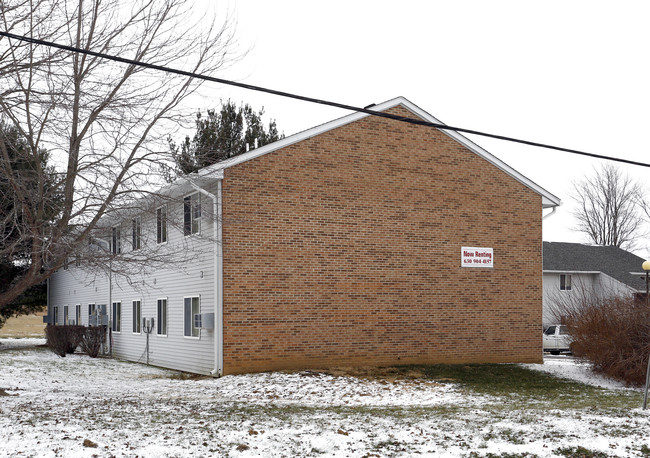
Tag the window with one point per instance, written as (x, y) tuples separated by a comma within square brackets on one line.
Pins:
[(66, 263), (55, 314), (550, 331), (78, 315), (116, 243), (66, 313), (117, 316), (191, 307), (92, 317), (136, 231), (565, 282), (161, 218), (162, 317), (192, 214), (137, 316)]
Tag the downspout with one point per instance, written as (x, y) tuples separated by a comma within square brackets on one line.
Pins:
[(553, 210), (218, 277)]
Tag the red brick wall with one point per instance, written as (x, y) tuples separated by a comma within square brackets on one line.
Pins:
[(344, 249)]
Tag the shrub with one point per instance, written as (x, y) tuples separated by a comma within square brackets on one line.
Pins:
[(63, 339), (611, 332), (92, 339)]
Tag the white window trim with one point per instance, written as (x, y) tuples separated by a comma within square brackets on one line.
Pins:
[(55, 312), (136, 233), (116, 239), (192, 218), (139, 318), (114, 315), (198, 337), (77, 317), (166, 226), (166, 299), (565, 289)]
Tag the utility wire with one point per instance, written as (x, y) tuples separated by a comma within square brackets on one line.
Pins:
[(366, 110)]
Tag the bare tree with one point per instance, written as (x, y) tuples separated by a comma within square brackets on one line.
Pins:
[(609, 211), (103, 124)]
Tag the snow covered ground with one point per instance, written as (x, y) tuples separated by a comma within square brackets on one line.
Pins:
[(78, 406)]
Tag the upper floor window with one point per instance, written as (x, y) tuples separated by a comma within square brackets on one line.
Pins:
[(565, 282), (162, 317), (136, 232), (161, 224), (116, 242), (192, 214)]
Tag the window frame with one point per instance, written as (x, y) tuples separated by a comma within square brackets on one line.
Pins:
[(192, 214), (162, 233), (116, 315), (55, 312), (136, 233), (137, 316), (564, 285), (116, 239), (66, 314), (92, 308), (195, 333), (78, 314), (161, 306)]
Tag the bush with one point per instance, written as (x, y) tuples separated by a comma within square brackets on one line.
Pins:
[(92, 339), (611, 332), (63, 339)]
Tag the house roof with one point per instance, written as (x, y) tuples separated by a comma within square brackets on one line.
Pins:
[(610, 260), (548, 199)]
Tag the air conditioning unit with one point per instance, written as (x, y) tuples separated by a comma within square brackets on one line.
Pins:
[(204, 320), (48, 319)]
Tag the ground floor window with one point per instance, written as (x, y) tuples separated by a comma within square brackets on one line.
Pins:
[(137, 316), (78, 315), (55, 314), (162, 317), (117, 317), (66, 314), (191, 308)]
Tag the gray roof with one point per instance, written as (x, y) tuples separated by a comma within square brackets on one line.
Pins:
[(610, 260)]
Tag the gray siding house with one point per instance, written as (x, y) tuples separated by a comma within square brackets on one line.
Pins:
[(573, 268)]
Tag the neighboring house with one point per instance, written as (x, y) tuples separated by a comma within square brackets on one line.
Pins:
[(572, 269), (362, 241)]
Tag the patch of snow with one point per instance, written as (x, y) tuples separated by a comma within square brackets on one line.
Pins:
[(576, 369), (51, 405)]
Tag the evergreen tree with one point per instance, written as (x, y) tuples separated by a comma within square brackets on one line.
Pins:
[(220, 135)]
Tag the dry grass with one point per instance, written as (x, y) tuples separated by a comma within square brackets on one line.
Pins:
[(24, 326)]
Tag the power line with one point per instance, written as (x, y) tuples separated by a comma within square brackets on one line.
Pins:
[(303, 98)]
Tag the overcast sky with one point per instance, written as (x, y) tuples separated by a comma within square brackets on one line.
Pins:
[(569, 73)]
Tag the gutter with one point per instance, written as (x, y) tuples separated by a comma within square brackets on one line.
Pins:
[(218, 276)]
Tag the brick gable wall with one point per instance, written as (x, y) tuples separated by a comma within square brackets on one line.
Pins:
[(344, 249)]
